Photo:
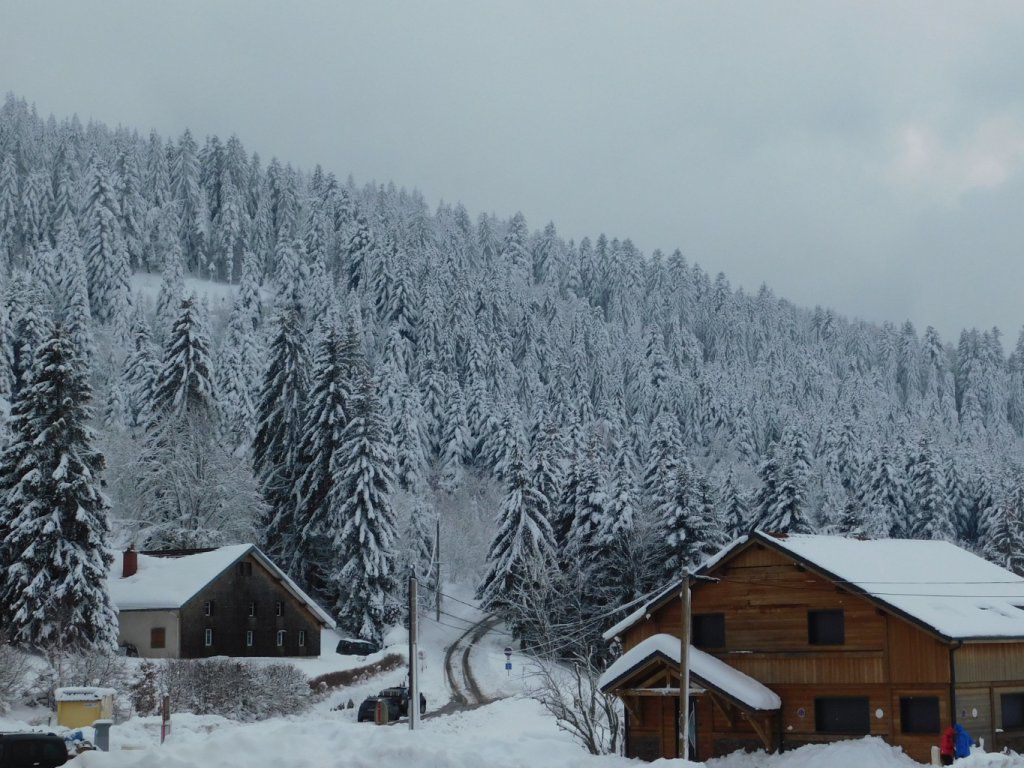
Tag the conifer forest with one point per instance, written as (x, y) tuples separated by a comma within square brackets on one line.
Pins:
[(202, 346)]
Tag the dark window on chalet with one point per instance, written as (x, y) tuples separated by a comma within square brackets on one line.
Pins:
[(208, 608), (280, 609), (208, 637), (302, 638), (248, 638), (826, 627), (157, 637), (842, 714), (1012, 705), (245, 568), (708, 630), (919, 714), (280, 638), (252, 608)]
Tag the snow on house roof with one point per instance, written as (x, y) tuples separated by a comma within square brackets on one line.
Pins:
[(706, 668), (82, 694), (168, 582), (953, 591), (947, 589)]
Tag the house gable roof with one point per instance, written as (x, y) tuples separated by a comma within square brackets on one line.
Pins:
[(945, 590), (168, 581), (705, 669)]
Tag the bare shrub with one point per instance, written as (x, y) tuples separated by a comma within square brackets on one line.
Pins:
[(235, 689), (570, 693), (14, 676)]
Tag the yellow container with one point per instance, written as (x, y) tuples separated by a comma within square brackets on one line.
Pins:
[(80, 707)]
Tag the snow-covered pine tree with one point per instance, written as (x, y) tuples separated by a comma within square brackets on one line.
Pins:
[(524, 537), (279, 414), (55, 556), (141, 370), (9, 214), (329, 407), (690, 526), (1003, 543), (929, 507), (365, 576), (105, 255), (73, 291), (781, 504), (455, 440), (237, 378), (182, 456), (172, 288), (733, 506)]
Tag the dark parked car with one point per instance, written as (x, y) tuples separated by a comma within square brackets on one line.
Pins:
[(353, 646), (32, 750), (368, 709), (397, 699)]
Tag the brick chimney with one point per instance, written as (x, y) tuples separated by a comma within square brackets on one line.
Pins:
[(129, 562)]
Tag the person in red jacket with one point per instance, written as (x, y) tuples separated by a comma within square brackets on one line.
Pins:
[(947, 746)]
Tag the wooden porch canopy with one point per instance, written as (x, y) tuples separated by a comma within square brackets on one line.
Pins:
[(651, 668)]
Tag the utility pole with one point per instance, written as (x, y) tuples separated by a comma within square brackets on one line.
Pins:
[(414, 683), (684, 671), (437, 567)]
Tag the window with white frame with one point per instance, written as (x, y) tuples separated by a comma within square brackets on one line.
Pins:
[(208, 637), (280, 638), (248, 638), (252, 608), (208, 608), (302, 638), (280, 608)]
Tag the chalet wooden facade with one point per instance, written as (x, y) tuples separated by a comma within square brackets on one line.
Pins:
[(897, 639), (228, 601)]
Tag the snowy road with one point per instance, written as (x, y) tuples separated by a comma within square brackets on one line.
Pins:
[(466, 691)]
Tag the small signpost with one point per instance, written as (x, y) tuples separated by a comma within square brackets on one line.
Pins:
[(508, 661), (165, 719)]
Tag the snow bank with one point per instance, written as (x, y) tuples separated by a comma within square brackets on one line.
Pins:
[(712, 671)]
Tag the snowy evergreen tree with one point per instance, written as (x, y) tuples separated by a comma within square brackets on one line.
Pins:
[(329, 407), (54, 517), (1004, 540), (141, 370), (279, 414), (365, 576), (929, 509), (782, 504), (523, 537), (106, 259)]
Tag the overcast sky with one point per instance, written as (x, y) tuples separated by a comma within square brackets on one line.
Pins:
[(865, 156)]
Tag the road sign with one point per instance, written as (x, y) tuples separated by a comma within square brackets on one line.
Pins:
[(508, 653)]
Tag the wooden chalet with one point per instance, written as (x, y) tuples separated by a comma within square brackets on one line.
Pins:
[(807, 639), (227, 601)]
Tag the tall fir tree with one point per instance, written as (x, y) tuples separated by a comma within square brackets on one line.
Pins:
[(365, 577), (55, 548), (279, 414), (105, 255)]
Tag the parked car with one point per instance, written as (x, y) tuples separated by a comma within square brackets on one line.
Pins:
[(32, 750), (354, 646), (397, 700), (401, 693), (368, 709)]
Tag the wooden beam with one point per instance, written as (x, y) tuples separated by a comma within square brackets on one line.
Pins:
[(647, 692), (761, 730), (722, 707), (632, 705)]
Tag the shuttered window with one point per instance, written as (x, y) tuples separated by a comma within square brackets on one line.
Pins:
[(1012, 705), (826, 627), (842, 714), (919, 714), (708, 630), (157, 637)]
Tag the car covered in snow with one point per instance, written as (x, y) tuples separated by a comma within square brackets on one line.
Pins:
[(38, 750)]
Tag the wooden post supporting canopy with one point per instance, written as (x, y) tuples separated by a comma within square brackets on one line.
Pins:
[(684, 671)]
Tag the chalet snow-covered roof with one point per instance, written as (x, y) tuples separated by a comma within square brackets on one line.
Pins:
[(704, 668), (938, 585), (168, 582)]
